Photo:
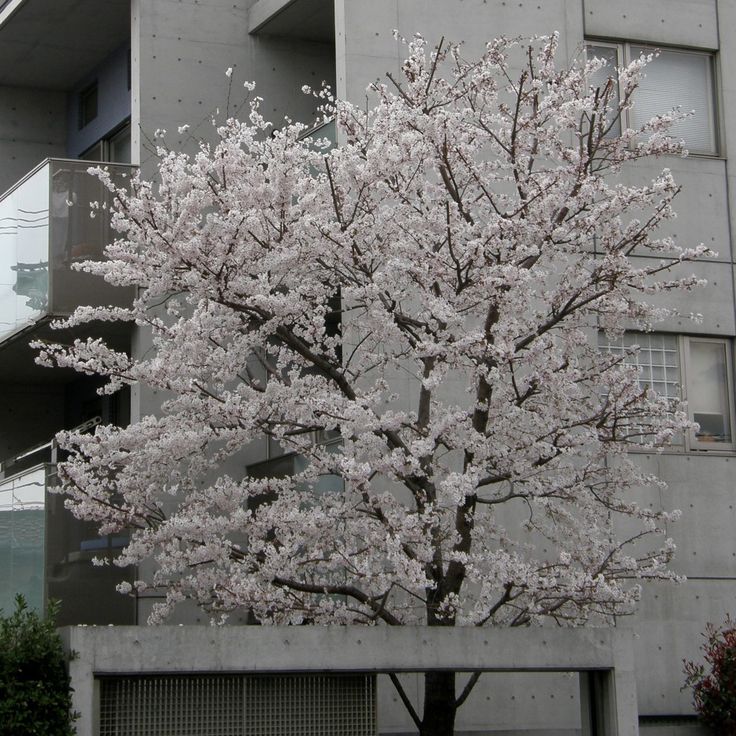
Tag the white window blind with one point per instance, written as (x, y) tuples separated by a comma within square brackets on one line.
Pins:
[(675, 78), (678, 79)]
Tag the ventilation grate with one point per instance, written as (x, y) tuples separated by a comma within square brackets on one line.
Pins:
[(162, 706), (238, 705), (318, 705)]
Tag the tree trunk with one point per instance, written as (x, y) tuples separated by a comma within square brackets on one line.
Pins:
[(438, 718)]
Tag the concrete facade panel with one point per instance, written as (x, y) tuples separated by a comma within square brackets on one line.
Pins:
[(366, 49), (179, 64), (364, 71), (709, 301), (702, 204), (113, 102), (475, 22), (696, 484), (369, 28), (668, 629), (32, 128), (505, 702), (675, 22), (181, 58)]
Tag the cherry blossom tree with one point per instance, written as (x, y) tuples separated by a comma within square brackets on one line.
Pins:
[(411, 318)]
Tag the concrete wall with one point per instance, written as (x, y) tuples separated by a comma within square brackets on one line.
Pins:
[(180, 53), (257, 649), (32, 128), (366, 48), (672, 617), (692, 23), (113, 102)]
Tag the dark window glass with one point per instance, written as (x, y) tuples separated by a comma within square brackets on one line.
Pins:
[(87, 105)]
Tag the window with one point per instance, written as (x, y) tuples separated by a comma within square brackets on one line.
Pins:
[(119, 145), (115, 147), (284, 464), (87, 105), (675, 78), (697, 369)]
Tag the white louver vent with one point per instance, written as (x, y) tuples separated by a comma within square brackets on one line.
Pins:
[(238, 705)]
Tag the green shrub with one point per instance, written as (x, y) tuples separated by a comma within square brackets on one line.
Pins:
[(714, 687), (35, 695)]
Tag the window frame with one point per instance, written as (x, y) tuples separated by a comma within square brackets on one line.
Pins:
[(101, 150), (625, 56), (689, 441), (86, 96), (692, 443)]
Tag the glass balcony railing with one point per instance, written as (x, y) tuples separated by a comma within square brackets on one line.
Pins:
[(22, 538), (45, 228), (45, 553), (322, 130)]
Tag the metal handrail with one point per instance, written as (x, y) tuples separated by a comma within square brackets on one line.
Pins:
[(55, 159), (51, 445)]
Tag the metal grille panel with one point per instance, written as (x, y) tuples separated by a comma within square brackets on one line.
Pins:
[(238, 705), (167, 706), (316, 705)]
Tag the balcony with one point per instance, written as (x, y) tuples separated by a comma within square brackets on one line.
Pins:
[(45, 228), (326, 130), (45, 553)]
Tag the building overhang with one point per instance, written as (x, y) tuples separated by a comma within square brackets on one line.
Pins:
[(47, 44), (310, 20), (18, 359)]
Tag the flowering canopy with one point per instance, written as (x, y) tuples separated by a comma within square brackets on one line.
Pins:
[(426, 296)]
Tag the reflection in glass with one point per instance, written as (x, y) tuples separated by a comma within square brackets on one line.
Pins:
[(22, 538), (121, 146), (86, 591), (45, 227), (24, 252), (708, 397), (45, 553)]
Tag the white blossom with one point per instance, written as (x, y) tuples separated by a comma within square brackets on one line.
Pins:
[(428, 293)]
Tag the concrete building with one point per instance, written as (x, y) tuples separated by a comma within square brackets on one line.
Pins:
[(86, 80)]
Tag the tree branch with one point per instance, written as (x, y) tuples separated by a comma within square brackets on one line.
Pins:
[(469, 685), (405, 700)]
